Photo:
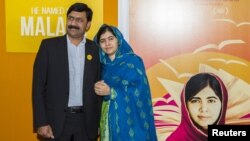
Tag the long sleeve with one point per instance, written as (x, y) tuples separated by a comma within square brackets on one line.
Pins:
[(39, 86)]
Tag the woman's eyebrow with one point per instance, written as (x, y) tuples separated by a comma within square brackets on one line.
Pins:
[(107, 37), (212, 97), (195, 98)]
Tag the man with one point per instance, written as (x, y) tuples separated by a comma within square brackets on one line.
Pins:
[(65, 106)]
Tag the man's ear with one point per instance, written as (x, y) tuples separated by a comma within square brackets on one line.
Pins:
[(88, 26)]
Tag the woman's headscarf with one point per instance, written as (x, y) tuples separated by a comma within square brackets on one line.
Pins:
[(123, 48)]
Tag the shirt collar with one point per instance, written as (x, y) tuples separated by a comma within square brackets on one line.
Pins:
[(82, 42)]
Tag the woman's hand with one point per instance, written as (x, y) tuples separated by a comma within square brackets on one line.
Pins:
[(101, 88)]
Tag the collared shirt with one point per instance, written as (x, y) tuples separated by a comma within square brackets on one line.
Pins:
[(76, 58)]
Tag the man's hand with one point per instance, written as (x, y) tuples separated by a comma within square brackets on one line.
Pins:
[(45, 131)]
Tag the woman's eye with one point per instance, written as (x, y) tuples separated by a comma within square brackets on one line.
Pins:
[(101, 41), (211, 101), (111, 38), (194, 101)]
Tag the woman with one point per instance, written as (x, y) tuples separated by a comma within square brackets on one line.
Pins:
[(127, 112), (204, 102)]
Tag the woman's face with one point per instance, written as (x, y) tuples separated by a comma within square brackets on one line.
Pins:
[(109, 44), (204, 108)]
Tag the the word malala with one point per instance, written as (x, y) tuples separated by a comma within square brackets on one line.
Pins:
[(41, 26)]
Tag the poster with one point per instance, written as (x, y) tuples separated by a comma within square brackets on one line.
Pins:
[(177, 39)]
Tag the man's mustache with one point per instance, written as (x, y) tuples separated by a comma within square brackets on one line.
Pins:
[(75, 27)]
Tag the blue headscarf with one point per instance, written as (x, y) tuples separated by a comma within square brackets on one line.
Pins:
[(130, 113), (123, 49)]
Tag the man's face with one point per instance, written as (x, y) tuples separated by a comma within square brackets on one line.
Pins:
[(77, 24)]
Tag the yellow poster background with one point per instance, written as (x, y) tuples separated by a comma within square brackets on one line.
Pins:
[(30, 21)]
